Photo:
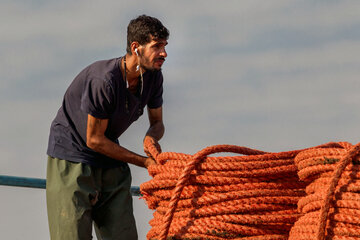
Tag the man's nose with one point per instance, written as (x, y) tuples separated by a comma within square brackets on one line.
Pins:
[(163, 53)]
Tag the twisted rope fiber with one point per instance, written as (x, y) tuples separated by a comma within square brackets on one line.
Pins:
[(239, 197), (331, 208)]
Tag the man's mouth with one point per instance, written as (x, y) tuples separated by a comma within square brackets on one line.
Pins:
[(161, 60)]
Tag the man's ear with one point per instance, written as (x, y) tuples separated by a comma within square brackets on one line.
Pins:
[(134, 48)]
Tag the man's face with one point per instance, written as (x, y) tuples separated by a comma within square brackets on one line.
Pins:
[(152, 55)]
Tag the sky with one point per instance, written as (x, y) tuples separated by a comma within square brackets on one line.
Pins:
[(271, 75)]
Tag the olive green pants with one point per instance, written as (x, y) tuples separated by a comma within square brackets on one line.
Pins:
[(78, 195)]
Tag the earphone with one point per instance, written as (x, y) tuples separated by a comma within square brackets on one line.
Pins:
[(141, 74), (137, 54)]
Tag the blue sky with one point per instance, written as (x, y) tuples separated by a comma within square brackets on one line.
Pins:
[(272, 75)]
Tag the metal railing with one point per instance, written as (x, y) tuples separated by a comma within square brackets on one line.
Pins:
[(41, 183)]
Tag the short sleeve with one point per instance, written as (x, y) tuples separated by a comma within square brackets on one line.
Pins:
[(156, 99), (97, 98)]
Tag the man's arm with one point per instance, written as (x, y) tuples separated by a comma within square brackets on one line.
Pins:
[(156, 129), (97, 141)]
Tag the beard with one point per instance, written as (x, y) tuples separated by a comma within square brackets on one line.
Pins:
[(147, 65)]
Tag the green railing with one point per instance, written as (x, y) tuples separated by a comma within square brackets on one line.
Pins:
[(40, 183)]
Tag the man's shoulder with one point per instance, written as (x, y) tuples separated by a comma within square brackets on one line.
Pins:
[(103, 69), (104, 64)]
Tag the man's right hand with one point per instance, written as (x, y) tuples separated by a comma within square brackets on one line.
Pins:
[(154, 142), (149, 161)]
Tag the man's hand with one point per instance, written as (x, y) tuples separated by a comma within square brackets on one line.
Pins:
[(149, 161), (154, 142)]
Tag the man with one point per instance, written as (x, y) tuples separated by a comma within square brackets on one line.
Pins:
[(88, 177)]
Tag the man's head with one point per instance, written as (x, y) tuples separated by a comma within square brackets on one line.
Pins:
[(149, 37)]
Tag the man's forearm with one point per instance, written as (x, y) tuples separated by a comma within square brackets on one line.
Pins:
[(106, 147), (97, 141), (156, 130)]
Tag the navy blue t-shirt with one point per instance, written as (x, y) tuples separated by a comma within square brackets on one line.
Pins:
[(99, 90)]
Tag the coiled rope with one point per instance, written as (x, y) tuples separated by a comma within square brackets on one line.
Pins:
[(249, 196), (331, 207)]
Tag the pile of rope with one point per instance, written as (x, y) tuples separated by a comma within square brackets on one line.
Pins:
[(331, 207), (249, 196)]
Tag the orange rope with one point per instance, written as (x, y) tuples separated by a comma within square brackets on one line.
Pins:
[(249, 196), (331, 208)]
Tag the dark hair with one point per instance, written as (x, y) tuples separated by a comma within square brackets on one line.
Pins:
[(142, 28)]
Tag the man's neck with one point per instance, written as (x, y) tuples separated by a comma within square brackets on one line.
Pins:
[(131, 64), (131, 76)]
